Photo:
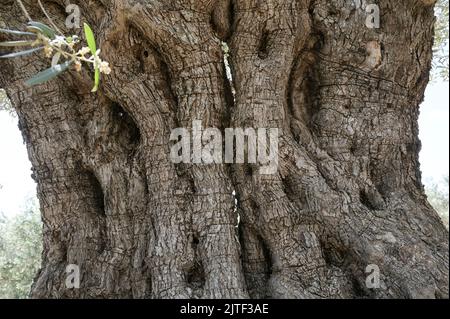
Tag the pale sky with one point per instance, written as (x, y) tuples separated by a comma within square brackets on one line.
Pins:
[(434, 131), (15, 169)]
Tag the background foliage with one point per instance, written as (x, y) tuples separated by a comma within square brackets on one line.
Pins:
[(437, 193), (4, 103), (441, 41), (20, 251)]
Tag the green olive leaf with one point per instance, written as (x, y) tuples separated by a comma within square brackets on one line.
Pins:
[(90, 38), (96, 80)]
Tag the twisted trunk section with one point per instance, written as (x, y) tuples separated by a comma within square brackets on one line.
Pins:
[(347, 192)]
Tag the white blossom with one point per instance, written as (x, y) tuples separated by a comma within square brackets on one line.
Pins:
[(104, 67), (48, 51)]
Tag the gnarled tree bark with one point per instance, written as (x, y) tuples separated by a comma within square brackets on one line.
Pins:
[(347, 193)]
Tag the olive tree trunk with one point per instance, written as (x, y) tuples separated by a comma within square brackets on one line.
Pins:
[(346, 198)]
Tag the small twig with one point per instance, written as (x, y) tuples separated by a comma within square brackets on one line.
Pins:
[(72, 56), (24, 10), (49, 19)]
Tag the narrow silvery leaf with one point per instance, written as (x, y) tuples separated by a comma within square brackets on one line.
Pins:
[(21, 53), (42, 28), (56, 58), (48, 74), (15, 32), (15, 43)]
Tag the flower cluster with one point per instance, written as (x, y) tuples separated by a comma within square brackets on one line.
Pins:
[(58, 47), (62, 46)]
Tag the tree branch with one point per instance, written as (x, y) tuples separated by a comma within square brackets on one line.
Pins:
[(49, 19), (24, 10)]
